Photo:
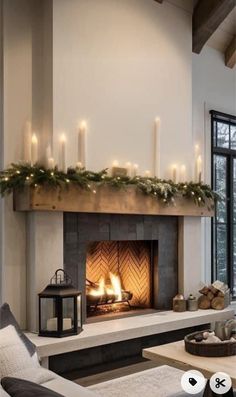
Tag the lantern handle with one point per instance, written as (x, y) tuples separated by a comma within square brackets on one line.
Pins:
[(61, 279)]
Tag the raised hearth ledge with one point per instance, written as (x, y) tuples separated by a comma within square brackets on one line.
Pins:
[(106, 200), (103, 333)]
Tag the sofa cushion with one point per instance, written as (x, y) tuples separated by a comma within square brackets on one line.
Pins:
[(23, 388), (7, 318), (68, 388), (14, 356), (16, 361)]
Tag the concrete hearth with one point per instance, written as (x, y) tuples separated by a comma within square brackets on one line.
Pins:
[(100, 334)]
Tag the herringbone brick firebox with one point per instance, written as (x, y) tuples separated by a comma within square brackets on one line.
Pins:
[(131, 261), (141, 250)]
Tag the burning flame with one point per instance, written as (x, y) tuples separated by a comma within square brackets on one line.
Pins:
[(102, 289)]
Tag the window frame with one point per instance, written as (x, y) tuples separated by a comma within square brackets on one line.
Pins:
[(230, 155)]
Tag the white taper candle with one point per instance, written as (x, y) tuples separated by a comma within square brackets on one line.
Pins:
[(34, 149), (135, 170), (199, 168), (82, 143), (174, 173), (62, 153), (183, 173)]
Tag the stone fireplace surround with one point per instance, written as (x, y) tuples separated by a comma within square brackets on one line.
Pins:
[(161, 231)]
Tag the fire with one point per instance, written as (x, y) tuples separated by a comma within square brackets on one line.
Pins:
[(113, 289)]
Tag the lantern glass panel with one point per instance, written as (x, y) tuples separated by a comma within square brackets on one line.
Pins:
[(68, 314), (49, 320)]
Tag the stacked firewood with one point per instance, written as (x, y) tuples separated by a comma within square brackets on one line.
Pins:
[(215, 296)]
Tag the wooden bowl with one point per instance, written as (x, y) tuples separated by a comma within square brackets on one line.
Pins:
[(223, 349)]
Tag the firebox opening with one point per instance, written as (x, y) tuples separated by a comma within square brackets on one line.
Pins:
[(119, 276)]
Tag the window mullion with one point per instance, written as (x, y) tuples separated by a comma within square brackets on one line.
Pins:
[(230, 218)]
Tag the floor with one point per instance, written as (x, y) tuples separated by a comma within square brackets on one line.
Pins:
[(118, 369)]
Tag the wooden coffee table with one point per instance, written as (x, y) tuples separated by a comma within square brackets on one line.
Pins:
[(174, 354)]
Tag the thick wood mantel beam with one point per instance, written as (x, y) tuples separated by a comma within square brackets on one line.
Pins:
[(207, 16), (108, 200), (230, 54)]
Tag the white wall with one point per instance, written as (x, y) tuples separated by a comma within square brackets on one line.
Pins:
[(17, 109), (27, 96), (214, 87), (118, 65)]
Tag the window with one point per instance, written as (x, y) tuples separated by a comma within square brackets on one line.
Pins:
[(224, 182)]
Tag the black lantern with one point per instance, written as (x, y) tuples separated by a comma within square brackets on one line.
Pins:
[(60, 307)]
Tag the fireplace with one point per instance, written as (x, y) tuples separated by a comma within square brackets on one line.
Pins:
[(122, 263), (119, 276)]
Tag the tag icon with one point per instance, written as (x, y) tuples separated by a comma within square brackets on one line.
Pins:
[(193, 382)]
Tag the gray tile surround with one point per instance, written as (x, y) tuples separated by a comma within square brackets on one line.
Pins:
[(82, 229)]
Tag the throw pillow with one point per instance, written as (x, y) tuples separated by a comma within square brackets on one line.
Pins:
[(7, 318), (22, 388), (14, 356)]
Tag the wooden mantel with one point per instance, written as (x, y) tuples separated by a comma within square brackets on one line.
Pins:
[(106, 200)]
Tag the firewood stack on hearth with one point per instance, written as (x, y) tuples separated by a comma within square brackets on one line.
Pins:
[(215, 296)]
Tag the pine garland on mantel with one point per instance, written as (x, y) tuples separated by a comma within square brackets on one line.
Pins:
[(20, 175)]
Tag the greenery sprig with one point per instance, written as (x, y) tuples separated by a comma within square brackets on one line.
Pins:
[(20, 175)]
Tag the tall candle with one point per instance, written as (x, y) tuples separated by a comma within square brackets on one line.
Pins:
[(199, 168), (34, 149), (174, 173), (147, 174), (62, 153), (82, 143), (51, 163), (27, 142), (135, 170), (129, 169), (156, 149), (196, 155), (79, 164), (183, 173)]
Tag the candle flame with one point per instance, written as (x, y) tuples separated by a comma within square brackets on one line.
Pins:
[(199, 159), (63, 138), (115, 163), (83, 125), (34, 139)]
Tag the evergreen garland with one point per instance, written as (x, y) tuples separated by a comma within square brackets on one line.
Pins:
[(20, 175)]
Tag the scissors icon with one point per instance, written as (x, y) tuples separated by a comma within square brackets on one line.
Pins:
[(220, 383)]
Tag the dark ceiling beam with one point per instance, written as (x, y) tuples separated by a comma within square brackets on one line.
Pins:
[(207, 16), (230, 54), (159, 1)]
